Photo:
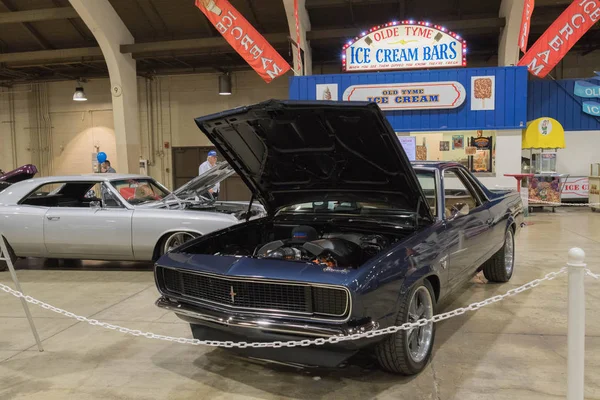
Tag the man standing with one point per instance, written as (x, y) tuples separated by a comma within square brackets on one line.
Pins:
[(106, 168), (210, 162)]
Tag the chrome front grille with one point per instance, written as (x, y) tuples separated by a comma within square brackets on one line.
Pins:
[(244, 294)]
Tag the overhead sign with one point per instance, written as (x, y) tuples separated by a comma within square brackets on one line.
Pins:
[(561, 36), (588, 90), (404, 45), (528, 7), (246, 40), (409, 96)]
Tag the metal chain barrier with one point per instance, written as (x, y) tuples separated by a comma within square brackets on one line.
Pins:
[(550, 203), (588, 272), (298, 343)]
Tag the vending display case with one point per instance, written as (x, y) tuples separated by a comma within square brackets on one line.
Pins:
[(545, 190), (594, 186)]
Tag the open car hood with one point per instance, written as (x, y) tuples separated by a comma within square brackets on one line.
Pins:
[(22, 173), (290, 152), (199, 185)]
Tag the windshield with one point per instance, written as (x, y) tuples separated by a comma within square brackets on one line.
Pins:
[(138, 191)]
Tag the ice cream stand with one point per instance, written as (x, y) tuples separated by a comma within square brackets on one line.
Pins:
[(543, 137)]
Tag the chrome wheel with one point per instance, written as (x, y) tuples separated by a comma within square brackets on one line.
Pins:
[(419, 339), (509, 252), (176, 240)]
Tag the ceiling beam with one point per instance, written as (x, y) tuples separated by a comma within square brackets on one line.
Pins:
[(43, 55), (192, 44), (310, 4), (174, 46), (42, 14), (44, 44)]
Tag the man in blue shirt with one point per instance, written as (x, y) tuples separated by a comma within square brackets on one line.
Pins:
[(210, 162)]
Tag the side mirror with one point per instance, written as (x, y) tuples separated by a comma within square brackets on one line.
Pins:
[(95, 204), (459, 209)]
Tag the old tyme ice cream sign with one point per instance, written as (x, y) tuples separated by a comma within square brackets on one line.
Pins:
[(404, 45)]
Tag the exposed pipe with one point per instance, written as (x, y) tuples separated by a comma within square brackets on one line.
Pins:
[(13, 129), (16, 91)]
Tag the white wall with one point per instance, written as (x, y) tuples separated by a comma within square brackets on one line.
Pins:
[(508, 159), (59, 135), (581, 149)]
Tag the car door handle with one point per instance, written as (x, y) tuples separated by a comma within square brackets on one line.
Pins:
[(490, 221), (53, 218)]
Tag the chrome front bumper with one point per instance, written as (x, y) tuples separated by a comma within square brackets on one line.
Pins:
[(263, 324)]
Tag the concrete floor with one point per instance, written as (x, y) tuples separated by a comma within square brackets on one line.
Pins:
[(515, 349)]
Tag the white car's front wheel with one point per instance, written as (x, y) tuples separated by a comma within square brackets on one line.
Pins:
[(175, 240)]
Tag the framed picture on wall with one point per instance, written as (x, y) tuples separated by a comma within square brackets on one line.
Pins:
[(445, 145), (458, 142)]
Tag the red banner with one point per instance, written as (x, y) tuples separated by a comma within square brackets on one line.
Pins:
[(298, 37), (561, 36), (246, 40), (525, 24)]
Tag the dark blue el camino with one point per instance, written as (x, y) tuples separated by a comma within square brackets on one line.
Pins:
[(356, 238)]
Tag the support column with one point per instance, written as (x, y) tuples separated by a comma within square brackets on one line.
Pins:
[(304, 26), (110, 33), (508, 49)]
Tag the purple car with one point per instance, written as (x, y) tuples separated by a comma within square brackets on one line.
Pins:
[(22, 173)]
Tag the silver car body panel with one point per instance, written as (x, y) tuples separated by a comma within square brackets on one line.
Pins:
[(125, 233)]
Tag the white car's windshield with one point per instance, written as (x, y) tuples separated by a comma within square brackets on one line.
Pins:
[(138, 191)]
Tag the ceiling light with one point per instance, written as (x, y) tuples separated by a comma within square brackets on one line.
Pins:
[(225, 84), (79, 94)]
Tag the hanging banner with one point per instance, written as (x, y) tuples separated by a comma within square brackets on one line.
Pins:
[(409, 96), (404, 45), (246, 40), (525, 24), (297, 20), (561, 36)]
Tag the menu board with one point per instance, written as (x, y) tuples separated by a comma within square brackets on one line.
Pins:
[(409, 144)]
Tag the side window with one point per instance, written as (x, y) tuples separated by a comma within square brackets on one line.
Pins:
[(457, 196), (427, 182), (46, 195)]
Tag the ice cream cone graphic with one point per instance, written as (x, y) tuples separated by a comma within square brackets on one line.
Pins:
[(327, 94), (211, 6)]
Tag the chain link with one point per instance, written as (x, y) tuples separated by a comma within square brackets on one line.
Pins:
[(590, 273), (550, 203), (298, 343)]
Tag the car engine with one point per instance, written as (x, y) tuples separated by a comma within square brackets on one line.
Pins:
[(345, 250)]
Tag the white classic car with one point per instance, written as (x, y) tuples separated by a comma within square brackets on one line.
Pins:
[(113, 216)]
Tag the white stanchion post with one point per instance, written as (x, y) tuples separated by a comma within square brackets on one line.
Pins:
[(576, 325)]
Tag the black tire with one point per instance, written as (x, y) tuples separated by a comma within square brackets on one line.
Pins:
[(393, 353), (497, 268)]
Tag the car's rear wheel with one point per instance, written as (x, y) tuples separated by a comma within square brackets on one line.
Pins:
[(407, 352), (175, 240), (500, 267)]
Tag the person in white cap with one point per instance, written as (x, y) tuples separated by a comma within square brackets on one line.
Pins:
[(210, 162)]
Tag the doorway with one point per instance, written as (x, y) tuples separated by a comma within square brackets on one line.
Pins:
[(186, 161)]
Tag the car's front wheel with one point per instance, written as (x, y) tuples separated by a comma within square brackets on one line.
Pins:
[(407, 352), (175, 240)]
